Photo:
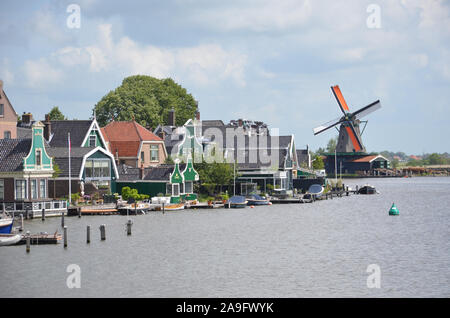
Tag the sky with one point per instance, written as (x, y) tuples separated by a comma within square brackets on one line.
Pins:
[(272, 61)]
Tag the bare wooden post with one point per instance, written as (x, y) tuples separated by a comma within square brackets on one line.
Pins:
[(26, 214), (28, 241), (43, 214), (102, 232), (88, 234), (65, 236), (163, 208), (79, 212), (62, 219), (129, 223)]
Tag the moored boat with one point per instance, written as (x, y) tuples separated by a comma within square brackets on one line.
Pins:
[(9, 239), (256, 199), (6, 224), (174, 207), (236, 201), (367, 189)]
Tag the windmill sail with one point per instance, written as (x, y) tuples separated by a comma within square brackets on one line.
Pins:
[(367, 110)]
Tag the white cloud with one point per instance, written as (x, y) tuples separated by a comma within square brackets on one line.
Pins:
[(40, 73), (205, 63)]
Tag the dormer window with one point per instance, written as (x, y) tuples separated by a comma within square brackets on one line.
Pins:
[(92, 141)]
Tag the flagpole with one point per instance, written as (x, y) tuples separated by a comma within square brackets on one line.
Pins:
[(70, 171)]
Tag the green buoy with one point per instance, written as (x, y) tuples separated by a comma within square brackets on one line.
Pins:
[(394, 210)]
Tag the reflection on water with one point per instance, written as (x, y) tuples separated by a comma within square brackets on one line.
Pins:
[(300, 250)]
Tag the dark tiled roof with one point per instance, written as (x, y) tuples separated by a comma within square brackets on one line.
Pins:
[(24, 133), (159, 173), (61, 158), (12, 152), (60, 129)]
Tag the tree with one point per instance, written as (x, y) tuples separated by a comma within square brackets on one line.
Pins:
[(56, 114), (318, 163), (331, 146), (435, 159), (215, 174), (148, 100)]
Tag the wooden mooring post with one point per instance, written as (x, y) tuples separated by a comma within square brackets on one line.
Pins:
[(62, 219), (129, 224), (163, 208), (102, 232), (88, 234), (65, 236), (43, 215), (79, 212), (26, 214), (28, 242)]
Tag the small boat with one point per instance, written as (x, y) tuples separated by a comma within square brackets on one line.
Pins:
[(316, 190), (170, 207), (9, 239), (256, 199), (236, 201), (367, 189), (6, 223), (174, 207)]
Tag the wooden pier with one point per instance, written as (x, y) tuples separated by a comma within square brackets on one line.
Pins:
[(41, 239)]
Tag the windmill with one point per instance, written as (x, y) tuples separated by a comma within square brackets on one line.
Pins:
[(349, 140)]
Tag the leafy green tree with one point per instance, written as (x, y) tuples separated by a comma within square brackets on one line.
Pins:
[(215, 175), (331, 145), (318, 163), (435, 159), (148, 100), (56, 114)]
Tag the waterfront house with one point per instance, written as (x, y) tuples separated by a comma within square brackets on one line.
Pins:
[(133, 145), (362, 164), (261, 159), (173, 180), (25, 171), (8, 116)]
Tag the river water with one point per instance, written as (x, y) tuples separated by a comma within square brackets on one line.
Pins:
[(299, 250)]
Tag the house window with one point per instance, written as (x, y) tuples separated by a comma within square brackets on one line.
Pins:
[(34, 194), (2, 110), (38, 157), (188, 187), (2, 189), (154, 153), (97, 169), (176, 189), (7, 134), (142, 157), (21, 189), (92, 141), (42, 189)]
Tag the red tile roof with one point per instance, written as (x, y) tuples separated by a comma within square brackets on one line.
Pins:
[(126, 137)]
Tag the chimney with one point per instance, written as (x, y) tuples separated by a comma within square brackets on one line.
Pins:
[(47, 127), (141, 172), (27, 118), (172, 117)]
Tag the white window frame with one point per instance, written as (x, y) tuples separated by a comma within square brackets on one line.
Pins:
[(34, 189), (26, 189), (154, 148), (176, 186), (95, 141), (191, 190), (42, 195), (2, 189)]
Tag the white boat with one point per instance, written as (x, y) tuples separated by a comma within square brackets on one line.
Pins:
[(9, 239), (6, 223)]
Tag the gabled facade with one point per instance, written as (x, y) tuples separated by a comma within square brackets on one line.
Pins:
[(133, 145), (8, 117), (25, 168)]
